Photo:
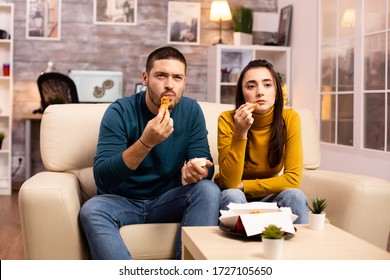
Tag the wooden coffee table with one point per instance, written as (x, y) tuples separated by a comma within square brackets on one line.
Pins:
[(332, 243)]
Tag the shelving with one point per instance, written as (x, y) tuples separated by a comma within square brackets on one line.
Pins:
[(225, 62), (6, 97)]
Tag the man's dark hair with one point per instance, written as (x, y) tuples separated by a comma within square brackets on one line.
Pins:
[(165, 53)]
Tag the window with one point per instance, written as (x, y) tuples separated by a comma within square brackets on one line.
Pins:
[(337, 71), (355, 73), (376, 75)]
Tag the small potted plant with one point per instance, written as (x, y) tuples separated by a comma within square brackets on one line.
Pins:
[(272, 238), (317, 214), (242, 25), (2, 136)]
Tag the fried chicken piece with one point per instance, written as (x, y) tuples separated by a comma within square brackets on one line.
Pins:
[(254, 104), (165, 101)]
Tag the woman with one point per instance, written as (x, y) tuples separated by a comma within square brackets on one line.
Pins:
[(259, 144)]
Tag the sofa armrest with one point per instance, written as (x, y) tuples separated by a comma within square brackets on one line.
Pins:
[(49, 205), (357, 204)]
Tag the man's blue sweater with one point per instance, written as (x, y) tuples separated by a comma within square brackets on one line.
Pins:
[(123, 124)]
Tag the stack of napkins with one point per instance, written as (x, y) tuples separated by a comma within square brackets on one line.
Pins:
[(255, 216)]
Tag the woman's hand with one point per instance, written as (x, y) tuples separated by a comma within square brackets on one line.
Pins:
[(243, 120)]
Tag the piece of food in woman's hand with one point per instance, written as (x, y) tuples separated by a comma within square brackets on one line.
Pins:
[(165, 101), (254, 104)]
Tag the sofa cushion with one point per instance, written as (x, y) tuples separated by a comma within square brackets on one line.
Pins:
[(69, 134), (310, 139), (211, 112), (71, 146), (86, 182)]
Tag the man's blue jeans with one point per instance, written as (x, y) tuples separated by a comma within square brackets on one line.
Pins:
[(293, 198), (102, 216)]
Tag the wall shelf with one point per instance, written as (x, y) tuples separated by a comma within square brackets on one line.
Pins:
[(6, 98), (233, 58)]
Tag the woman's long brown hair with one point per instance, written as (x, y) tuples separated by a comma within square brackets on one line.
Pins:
[(278, 129)]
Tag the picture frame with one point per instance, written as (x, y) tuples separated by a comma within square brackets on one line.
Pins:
[(285, 26), (43, 19), (183, 23), (139, 87), (115, 12)]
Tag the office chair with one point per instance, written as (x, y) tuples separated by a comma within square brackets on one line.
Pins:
[(55, 88)]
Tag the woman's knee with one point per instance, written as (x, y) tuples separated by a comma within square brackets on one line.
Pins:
[(296, 195), (233, 195)]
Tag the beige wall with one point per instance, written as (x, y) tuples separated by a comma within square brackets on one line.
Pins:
[(84, 45)]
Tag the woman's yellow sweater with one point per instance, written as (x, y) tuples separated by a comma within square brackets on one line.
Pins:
[(258, 178)]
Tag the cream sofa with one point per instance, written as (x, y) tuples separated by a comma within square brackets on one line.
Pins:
[(50, 201)]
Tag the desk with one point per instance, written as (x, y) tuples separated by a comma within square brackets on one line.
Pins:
[(28, 118), (332, 243)]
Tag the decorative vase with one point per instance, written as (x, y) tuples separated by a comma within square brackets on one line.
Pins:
[(273, 248), (317, 221), (242, 38)]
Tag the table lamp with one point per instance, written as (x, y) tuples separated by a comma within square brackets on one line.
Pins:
[(220, 11)]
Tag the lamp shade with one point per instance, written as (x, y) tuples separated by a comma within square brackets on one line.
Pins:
[(348, 18), (220, 11)]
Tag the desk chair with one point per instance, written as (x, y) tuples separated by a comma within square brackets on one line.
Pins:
[(56, 88)]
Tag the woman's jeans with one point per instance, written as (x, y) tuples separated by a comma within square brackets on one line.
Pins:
[(102, 216), (293, 198)]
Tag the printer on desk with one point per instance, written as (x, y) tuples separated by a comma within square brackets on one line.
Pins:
[(97, 86)]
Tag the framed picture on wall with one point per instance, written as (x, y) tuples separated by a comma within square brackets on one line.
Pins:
[(43, 19), (285, 26), (121, 12), (183, 23)]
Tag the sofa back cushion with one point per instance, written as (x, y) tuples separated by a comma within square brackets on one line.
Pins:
[(211, 112), (310, 139), (69, 134)]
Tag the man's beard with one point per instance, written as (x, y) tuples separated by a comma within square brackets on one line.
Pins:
[(157, 102)]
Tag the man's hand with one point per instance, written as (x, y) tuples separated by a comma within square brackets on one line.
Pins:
[(193, 172), (158, 129)]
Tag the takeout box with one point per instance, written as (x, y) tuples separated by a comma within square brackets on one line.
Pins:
[(253, 217)]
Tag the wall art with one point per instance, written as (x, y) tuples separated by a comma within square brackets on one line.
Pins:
[(183, 23), (285, 26), (119, 12), (43, 20)]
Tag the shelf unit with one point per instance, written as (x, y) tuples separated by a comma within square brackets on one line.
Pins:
[(221, 88), (6, 98)]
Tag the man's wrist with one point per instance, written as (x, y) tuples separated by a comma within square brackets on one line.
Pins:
[(143, 143)]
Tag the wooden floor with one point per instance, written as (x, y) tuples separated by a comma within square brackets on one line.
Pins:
[(11, 243)]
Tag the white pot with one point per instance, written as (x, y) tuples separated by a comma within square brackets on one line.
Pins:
[(242, 38), (317, 221), (273, 248)]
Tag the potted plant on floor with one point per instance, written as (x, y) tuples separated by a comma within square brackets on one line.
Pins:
[(2, 136), (242, 25), (317, 214), (272, 238)]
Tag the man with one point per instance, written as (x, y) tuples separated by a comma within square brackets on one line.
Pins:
[(144, 154)]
